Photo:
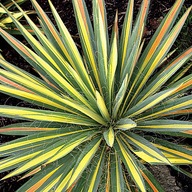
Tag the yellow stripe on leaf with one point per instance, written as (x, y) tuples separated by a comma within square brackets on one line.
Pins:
[(109, 136), (152, 152), (83, 163), (102, 107), (67, 149), (38, 184), (152, 160), (96, 172), (131, 166), (64, 182), (150, 102), (125, 39), (175, 152), (162, 32), (39, 139), (86, 38), (33, 162)]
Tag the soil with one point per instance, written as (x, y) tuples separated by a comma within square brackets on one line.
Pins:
[(172, 181), (167, 181)]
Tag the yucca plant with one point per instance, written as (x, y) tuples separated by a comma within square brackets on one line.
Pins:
[(6, 22), (100, 117)]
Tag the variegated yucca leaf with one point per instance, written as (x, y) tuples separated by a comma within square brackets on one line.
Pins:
[(99, 111), (6, 22)]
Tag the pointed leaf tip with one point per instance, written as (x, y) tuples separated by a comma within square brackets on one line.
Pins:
[(125, 124), (102, 107), (109, 137)]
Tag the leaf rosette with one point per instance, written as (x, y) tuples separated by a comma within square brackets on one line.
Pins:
[(103, 112)]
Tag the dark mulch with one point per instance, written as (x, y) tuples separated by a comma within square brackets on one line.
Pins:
[(157, 10)]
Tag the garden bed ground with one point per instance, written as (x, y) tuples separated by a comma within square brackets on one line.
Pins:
[(171, 180)]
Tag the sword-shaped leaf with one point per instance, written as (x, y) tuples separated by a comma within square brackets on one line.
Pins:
[(102, 106), (149, 102), (66, 44), (151, 61), (52, 153), (117, 179), (164, 125), (29, 128), (14, 69), (51, 64), (173, 159), (96, 171), (111, 71), (44, 115), (144, 145), (177, 77), (39, 139), (168, 107), (15, 161), (174, 149), (119, 97), (102, 41), (55, 171), (124, 44), (130, 163), (186, 85), (46, 92), (84, 159), (87, 38), (165, 75), (30, 96)]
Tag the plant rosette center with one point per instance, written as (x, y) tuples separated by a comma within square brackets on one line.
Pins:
[(122, 124)]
